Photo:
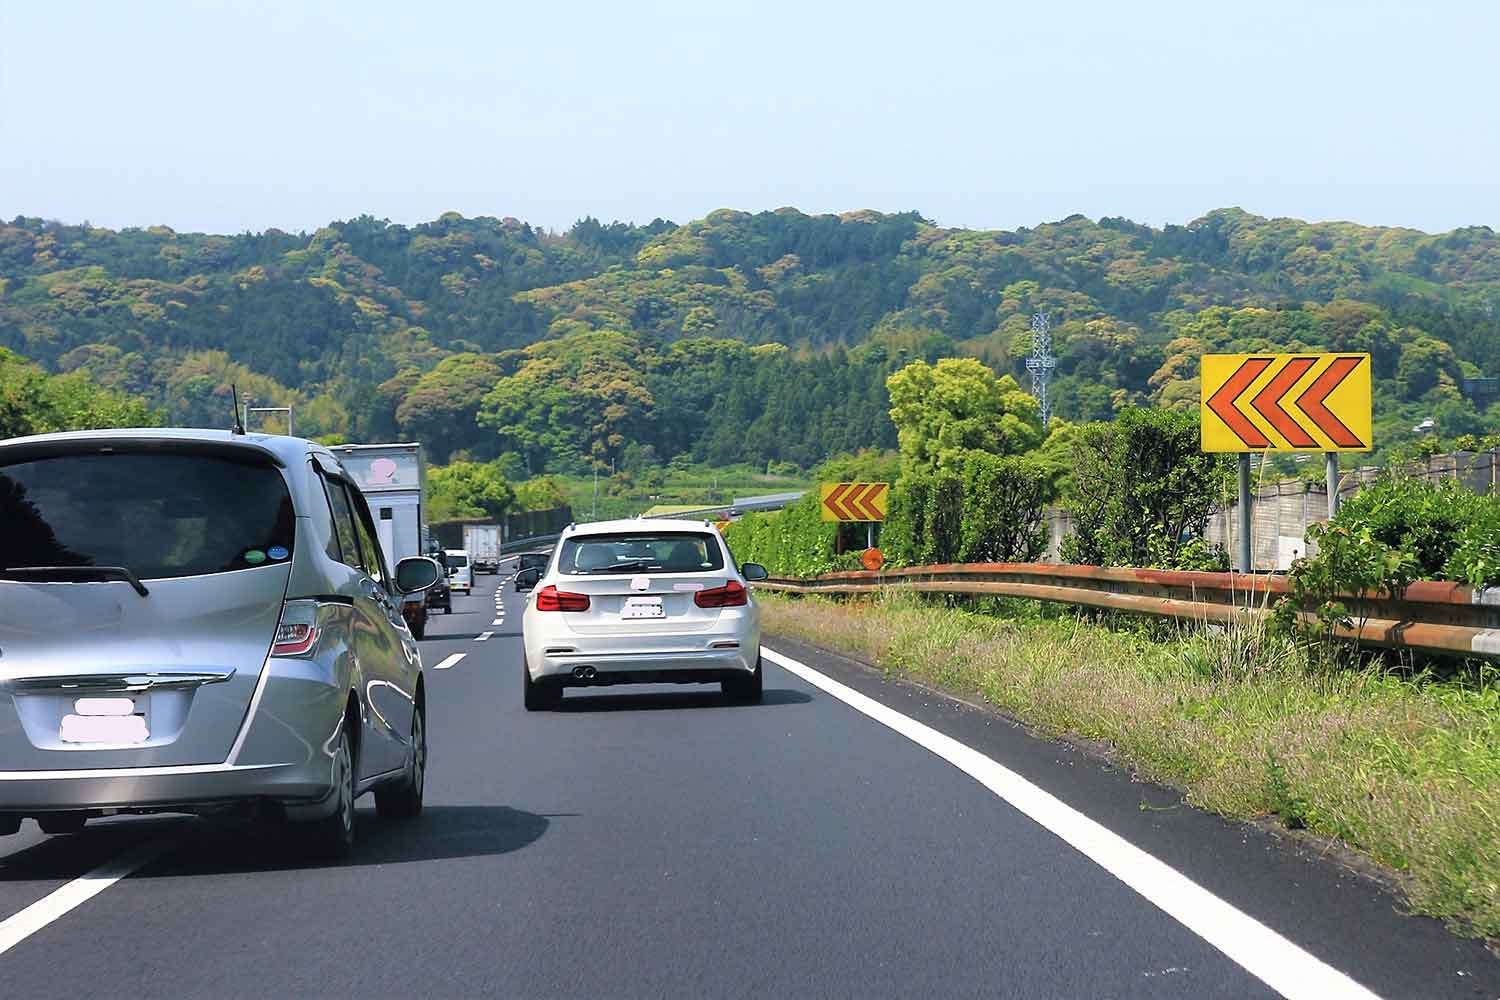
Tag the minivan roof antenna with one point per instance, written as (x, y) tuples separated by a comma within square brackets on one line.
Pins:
[(239, 426)]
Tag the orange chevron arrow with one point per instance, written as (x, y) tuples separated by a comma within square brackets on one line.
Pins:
[(1267, 403), (866, 502), (1222, 402), (831, 501), (1311, 402)]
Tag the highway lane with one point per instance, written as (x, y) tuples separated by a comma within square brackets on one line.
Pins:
[(657, 841)]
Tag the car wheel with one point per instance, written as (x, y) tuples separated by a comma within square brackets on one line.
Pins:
[(744, 690), (62, 822), (402, 799), (333, 835), (538, 697)]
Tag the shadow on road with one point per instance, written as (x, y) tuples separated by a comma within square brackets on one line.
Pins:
[(208, 848), (69, 857), (648, 702), (440, 833)]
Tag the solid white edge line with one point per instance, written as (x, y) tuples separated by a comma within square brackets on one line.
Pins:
[(1265, 954), (449, 661), (17, 928)]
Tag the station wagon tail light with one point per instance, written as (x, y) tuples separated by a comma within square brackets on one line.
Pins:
[(297, 632), (549, 598), (732, 595)]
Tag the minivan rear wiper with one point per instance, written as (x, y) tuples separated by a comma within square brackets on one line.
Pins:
[(74, 574)]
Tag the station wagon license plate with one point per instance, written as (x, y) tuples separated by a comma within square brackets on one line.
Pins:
[(642, 607)]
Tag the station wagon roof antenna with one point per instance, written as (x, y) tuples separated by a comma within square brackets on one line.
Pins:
[(239, 426)]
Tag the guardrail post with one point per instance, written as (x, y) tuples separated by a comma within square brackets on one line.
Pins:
[(1247, 564)]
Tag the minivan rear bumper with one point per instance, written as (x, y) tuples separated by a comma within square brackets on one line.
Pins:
[(162, 788)]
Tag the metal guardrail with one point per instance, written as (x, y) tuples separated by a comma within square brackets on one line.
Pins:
[(1431, 615)]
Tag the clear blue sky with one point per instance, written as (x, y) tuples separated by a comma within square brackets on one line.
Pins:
[(228, 117)]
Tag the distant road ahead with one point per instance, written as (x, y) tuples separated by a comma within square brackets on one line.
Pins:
[(659, 842)]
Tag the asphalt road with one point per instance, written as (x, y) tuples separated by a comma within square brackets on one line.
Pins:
[(660, 842)]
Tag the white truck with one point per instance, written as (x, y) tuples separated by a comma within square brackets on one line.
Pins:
[(482, 542), (393, 478)]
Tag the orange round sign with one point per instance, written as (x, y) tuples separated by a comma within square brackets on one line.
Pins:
[(872, 559)]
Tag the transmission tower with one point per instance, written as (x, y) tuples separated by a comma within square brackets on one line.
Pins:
[(1041, 363)]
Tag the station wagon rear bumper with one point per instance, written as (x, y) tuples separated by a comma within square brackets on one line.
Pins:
[(644, 667)]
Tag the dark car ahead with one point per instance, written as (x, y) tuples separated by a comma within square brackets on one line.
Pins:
[(196, 621), (531, 560)]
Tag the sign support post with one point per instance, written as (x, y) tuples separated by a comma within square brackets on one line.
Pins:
[(1333, 483), (1247, 517)]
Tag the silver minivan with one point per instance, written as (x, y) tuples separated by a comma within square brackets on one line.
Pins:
[(200, 621)]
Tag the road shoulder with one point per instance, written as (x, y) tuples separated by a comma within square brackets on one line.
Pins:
[(1292, 884)]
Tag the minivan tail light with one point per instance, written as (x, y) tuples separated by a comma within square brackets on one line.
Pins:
[(297, 632), (549, 598), (732, 595)]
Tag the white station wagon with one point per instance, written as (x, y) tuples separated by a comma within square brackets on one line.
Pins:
[(640, 602)]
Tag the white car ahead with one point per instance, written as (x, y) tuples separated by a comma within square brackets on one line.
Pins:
[(640, 602), (460, 573)]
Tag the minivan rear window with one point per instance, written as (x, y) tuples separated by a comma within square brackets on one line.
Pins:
[(457, 562), (159, 515), (640, 552)]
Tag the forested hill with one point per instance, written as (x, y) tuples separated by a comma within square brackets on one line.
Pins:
[(735, 337)]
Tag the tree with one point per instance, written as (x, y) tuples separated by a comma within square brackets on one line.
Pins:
[(440, 408), (541, 493), (958, 405), (1142, 492), (33, 402), (468, 489)]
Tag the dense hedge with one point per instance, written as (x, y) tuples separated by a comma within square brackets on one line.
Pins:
[(989, 511), (791, 542)]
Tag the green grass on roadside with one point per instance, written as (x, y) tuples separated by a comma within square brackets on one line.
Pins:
[(1244, 720)]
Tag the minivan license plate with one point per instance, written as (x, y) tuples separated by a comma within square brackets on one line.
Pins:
[(642, 607)]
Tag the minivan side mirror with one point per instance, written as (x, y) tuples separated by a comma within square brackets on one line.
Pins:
[(526, 579), (753, 572), (415, 574)]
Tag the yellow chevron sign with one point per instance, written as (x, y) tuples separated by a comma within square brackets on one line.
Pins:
[(1286, 402), (854, 501)]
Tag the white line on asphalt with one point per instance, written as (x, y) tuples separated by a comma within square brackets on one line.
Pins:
[(483, 636), (449, 662), (22, 925), (498, 621), (1262, 952)]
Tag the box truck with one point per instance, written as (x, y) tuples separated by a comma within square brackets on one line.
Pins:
[(482, 542), (393, 478)]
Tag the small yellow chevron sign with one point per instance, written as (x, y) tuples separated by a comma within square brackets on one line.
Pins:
[(1286, 402), (854, 501)]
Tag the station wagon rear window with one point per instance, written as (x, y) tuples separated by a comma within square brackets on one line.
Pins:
[(159, 515), (640, 552)]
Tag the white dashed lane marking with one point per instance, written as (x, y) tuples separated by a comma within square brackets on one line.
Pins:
[(483, 636), (450, 661)]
